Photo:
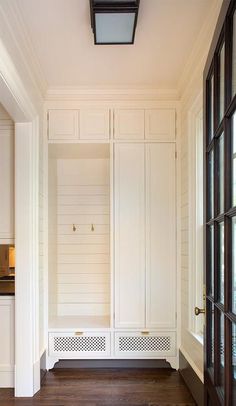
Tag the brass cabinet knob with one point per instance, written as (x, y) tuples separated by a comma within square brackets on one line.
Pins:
[(198, 311)]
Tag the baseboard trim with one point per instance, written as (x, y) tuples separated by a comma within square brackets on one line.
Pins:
[(43, 368), (193, 382), (114, 363)]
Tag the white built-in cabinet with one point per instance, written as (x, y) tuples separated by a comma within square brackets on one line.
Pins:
[(6, 178), (112, 233), (7, 340), (83, 124), (149, 124), (145, 235), (129, 203), (129, 124)]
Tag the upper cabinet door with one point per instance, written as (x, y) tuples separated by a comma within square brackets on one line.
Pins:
[(160, 124), (94, 124), (129, 236), (63, 125), (160, 236), (129, 124), (6, 184)]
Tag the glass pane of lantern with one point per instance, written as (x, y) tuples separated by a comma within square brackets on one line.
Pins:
[(114, 28)]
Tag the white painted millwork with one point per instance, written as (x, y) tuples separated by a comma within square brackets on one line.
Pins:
[(6, 178), (160, 236), (94, 124), (80, 344), (160, 124), (112, 222), (129, 124), (129, 236), (27, 370), (7, 340), (147, 344), (63, 124), (145, 175)]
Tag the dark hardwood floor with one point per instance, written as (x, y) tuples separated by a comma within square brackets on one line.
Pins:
[(106, 387)]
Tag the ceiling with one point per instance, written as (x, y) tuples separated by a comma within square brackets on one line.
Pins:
[(62, 40)]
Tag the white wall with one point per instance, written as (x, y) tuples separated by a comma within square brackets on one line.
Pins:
[(191, 85)]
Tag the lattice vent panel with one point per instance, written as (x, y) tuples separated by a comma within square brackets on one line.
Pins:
[(144, 344), (79, 344)]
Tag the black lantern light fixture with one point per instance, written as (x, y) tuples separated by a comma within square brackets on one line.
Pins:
[(114, 21)]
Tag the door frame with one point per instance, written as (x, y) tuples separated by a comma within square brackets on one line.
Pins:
[(18, 103)]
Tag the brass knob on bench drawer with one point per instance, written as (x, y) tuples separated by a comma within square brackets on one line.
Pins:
[(198, 311), (145, 333), (79, 333)]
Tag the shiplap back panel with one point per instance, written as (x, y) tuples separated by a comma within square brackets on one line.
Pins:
[(83, 272)]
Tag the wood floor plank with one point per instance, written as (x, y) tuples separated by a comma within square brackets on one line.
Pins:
[(106, 387)]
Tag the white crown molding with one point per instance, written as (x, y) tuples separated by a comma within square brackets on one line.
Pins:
[(200, 51), (17, 30), (110, 94)]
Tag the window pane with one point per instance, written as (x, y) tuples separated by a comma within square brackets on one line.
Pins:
[(211, 185), (234, 361), (211, 108), (234, 159), (234, 57), (234, 265), (221, 262), (221, 173), (222, 351), (221, 82)]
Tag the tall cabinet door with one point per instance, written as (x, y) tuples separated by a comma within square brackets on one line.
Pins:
[(129, 236), (160, 236)]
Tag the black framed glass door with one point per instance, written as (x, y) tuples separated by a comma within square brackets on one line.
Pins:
[(220, 212)]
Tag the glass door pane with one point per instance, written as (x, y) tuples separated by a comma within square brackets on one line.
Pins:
[(221, 82), (234, 363), (234, 57), (234, 160), (221, 174), (211, 185), (211, 109), (234, 265), (222, 351), (221, 263)]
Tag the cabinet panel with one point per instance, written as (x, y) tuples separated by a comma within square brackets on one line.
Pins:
[(144, 345), (160, 236), (79, 344), (160, 124), (94, 124), (63, 124), (129, 236), (7, 335), (6, 185), (129, 124)]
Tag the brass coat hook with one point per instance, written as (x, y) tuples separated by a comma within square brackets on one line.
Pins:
[(74, 228), (92, 227)]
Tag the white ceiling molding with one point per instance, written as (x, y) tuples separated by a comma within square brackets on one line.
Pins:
[(200, 51), (110, 94), (13, 93), (22, 51)]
